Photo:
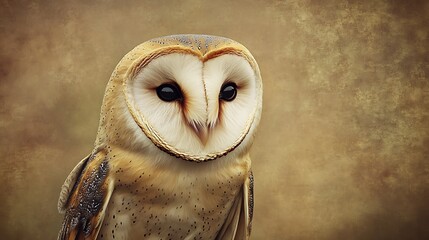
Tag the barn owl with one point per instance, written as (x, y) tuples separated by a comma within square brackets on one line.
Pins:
[(171, 157)]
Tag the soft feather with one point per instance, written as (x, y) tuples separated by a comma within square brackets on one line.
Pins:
[(238, 224)]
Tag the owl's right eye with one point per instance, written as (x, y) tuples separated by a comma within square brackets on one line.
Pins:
[(169, 92)]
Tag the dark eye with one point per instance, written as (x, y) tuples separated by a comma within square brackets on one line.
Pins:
[(169, 92), (228, 92)]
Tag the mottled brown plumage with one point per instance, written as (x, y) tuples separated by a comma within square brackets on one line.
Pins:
[(88, 199), (153, 174)]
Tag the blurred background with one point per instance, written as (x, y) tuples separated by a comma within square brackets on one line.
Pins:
[(342, 151)]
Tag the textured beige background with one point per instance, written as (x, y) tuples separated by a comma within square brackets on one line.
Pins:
[(343, 147)]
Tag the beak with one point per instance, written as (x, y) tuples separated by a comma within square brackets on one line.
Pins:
[(202, 132)]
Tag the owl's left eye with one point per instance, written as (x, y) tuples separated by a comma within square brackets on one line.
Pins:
[(228, 92), (169, 92)]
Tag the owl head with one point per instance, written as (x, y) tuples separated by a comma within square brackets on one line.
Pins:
[(195, 97)]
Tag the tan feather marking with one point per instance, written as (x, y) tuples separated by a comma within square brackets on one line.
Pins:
[(231, 50)]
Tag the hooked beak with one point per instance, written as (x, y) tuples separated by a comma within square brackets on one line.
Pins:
[(202, 132)]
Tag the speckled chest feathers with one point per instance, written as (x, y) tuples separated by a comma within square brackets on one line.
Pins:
[(171, 158)]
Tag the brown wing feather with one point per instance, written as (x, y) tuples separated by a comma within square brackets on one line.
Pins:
[(88, 200)]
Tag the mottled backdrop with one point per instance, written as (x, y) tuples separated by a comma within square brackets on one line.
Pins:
[(342, 151)]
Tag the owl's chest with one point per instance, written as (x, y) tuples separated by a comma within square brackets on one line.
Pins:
[(170, 203)]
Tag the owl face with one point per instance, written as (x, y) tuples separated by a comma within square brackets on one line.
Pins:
[(195, 97)]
